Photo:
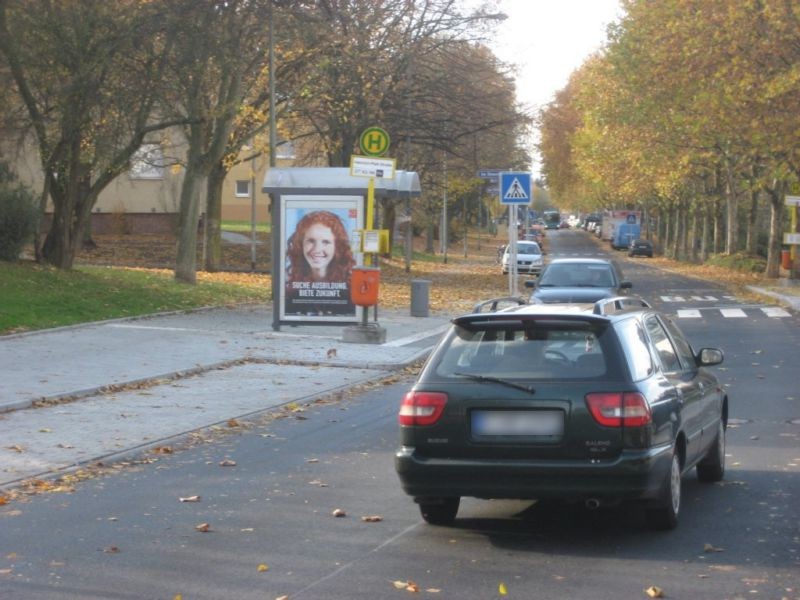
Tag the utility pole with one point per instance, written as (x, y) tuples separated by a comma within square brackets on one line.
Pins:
[(444, 212)]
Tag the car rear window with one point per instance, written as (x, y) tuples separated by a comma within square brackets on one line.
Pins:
[(528, 249), (528, 350), (571, 275)]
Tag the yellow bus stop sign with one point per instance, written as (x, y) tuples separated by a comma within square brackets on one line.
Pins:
[(374, 141)]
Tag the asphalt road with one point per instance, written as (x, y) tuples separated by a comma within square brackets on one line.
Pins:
[(272, 533)]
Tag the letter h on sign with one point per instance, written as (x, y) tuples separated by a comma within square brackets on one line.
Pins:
[(374, 141)]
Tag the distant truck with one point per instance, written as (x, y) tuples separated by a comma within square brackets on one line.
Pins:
[(612, 219), (624, 234)]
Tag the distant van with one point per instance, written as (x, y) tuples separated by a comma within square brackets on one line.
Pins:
[(624, 234)]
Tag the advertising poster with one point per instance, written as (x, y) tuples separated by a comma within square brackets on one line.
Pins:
[(317, 257)]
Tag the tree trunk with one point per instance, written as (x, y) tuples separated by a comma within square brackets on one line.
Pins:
[(186, 261), (719, 227), (777, 212), (213, 222), (37, 235), (677, 231), (704, 240), (57, 247), (72, 209), (732, 213), (693, 236), (752, 224)]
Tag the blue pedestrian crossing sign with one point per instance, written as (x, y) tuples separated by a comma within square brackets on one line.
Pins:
[(515, 188)]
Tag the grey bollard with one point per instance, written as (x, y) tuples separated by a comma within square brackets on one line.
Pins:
[(420, 293)]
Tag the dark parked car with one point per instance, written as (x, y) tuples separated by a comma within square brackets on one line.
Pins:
[(587, 403), (578, 280), (641, 248)]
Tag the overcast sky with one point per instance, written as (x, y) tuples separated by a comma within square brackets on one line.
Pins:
[(548, 39)]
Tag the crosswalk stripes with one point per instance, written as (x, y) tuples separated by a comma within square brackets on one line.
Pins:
[(694, 298), (773, 312)]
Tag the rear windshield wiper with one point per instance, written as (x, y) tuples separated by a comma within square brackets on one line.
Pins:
[(489, 378)]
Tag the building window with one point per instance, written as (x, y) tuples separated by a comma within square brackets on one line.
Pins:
[(242, 188), (147, 162)]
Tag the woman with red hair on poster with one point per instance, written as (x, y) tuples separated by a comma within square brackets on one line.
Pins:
[(319, 262)]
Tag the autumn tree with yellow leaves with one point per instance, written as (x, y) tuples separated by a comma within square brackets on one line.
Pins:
[(692, 111)]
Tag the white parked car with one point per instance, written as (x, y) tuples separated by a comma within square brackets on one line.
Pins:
[(529, 258)]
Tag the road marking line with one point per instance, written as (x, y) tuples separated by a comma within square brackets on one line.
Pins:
[(732, 313), (704, 298), (774, 311), (688, 313)]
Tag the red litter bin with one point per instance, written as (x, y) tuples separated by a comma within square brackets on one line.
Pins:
[(786, 259), (364, 283)]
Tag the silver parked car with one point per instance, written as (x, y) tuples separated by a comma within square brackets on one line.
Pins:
[(530, 258)]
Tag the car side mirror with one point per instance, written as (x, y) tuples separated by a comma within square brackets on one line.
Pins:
[(626, 285), (530, 283), (708, 357)]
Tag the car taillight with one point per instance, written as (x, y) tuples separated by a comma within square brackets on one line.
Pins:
[(617, 409), (422, 408)]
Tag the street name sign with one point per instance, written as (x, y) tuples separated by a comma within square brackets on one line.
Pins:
[(792, 200), (367, 166), (491, 174)]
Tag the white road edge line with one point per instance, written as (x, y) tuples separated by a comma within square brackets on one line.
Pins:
[(346, 566)]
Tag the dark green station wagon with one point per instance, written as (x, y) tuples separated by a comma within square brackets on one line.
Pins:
[(586, 403)]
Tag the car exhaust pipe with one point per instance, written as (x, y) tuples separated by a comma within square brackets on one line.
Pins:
[(592, 503)]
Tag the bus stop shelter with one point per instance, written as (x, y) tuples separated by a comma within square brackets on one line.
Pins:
[(326, 201)]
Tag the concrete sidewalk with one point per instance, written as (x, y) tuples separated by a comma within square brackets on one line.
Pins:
[(79, 394), (79, 361)]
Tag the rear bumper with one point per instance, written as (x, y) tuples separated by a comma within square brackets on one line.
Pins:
[(633, 475)]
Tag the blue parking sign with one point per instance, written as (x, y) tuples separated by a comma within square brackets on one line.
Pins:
[(515, 188)]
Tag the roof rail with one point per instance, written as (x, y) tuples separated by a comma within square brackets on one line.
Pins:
[(494, 302), (608, 306)]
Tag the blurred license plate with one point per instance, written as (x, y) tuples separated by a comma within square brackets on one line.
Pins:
[(517, 422)]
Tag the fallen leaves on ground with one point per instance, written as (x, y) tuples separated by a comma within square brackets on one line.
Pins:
[(203, 527), (654, 591), (372, 519), (339, 513), (227, 463), (190, 499), (408, 586), (262, 568), (711, 548)]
